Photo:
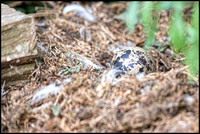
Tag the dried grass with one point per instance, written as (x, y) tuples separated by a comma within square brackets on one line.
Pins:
[(156, 103)]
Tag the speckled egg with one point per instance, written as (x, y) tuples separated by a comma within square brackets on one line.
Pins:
[(133, 60)]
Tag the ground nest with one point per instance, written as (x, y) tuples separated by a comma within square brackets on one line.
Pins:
[(163, 101)]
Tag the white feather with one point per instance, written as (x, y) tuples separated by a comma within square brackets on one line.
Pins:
[(82, 12), (46, 91)]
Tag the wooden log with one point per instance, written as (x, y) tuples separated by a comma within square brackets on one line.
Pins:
[(18, 36), (16, 74), (18, 45)]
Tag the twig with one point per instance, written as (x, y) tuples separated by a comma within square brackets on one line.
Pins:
[(44, 50), (14, 4), (44, 13), (86, 62), (164, 63), (2, 92), (51, 3)]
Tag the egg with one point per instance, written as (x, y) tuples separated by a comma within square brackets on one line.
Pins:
[(133, 60)]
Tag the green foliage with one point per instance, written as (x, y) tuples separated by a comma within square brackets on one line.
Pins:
[(144, 12), (177, 29), (165, 5), (69, 70), (56, 110), (192, 54), (131, 15), (184, 38), (149, 21)]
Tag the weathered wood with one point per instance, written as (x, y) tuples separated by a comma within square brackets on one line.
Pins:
[(11, 83), (18, 36), (18, 46), (16, 74)]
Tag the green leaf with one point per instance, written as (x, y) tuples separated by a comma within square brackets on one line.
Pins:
[(65, 71), (161, 48), (68, 70), (192, 54), (165, 5), (177, 30), (191, 35), (56, 110), (76, 69), (178, 6), (195, 19), (192, 59), (131, 15), (149, 21), (146, 13)]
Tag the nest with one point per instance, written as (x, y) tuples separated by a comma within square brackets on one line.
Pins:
[(163, 101)]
